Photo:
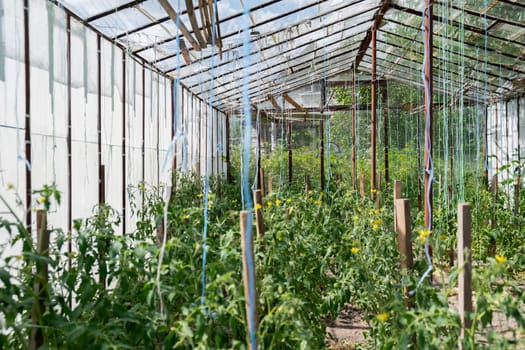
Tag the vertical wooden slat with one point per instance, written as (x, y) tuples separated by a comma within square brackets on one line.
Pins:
[(517, 187), (259, 219), (261, 182), (270, 183), (40, 281), (362, 185), (403, 230), (307, 184), (397, 195), (428, 26), (465, 268)]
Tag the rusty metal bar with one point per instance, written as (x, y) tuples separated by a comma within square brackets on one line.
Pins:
[(27, 136), (373, 125), (68, 139), (123, 143), (101, 190), (354, 169), (321, 133), (290, 159), (385, 131)]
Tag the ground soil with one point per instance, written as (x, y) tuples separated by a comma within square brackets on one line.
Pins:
[(349, 327)]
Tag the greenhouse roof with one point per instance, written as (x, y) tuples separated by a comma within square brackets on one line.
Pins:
[(478, 46)]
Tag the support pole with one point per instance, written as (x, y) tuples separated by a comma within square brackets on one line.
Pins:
[(101, 172), (124, 158), (428, 115), (228, 170), (270, 183), (290, 160), (465, 268), (261, 182), (397, 195), (373, 126), (362, 185), (403, 230), (27, 126), (248, 272), (321, 134), (354, 168), (492, 243), (517, 186), (307, 184), (41, 281), (385, 129), (259, 219), (68, 139)]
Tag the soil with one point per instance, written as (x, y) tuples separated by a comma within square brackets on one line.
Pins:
[(349, 327)]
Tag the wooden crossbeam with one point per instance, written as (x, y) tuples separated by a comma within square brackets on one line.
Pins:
[(173, 15), (274, 102), (294, 103), (184, 51), (194, 23)]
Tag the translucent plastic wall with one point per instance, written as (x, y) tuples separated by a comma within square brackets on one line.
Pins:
[(91, 106), (506, 138), (201, 136)]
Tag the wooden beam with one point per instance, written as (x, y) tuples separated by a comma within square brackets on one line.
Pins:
[(194, 23), (185, 52), (294, 103), (378, 17), (178, 22), (274, 102)]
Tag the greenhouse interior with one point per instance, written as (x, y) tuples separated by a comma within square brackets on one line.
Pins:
[(262, 174)]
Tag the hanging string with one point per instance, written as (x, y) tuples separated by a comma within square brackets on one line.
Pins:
[(247, 202), (429, 168)]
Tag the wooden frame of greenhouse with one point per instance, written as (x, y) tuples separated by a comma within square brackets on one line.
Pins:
[(141, 141)]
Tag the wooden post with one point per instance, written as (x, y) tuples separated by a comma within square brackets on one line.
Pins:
[(403, 230), (259, 220), (261, 182), (397, 189), (385, 130), (362, 185), (307, 185), (397, 195), (321, 153), (428, 76), (41, 280), (270, 183), (248, 270), (465, 268)]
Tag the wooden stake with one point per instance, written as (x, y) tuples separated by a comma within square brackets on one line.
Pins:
[(465, 268), (362, 185), (248, 272), (403, 230), (259, 219), (397, 195), (307, 185), (261, 182), (270, 183), (397, 189), (41, 280)]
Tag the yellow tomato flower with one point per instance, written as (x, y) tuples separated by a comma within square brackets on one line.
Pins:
[(318, 202), (42, 199), (278, 202), (199, 195), (354, 250), (378, 221), (373, 190), (376, 211), (383, 317), (269, 204), (356, 218), (375, 227), (258, 206), (288, 200), (423, 234), (500, 259)]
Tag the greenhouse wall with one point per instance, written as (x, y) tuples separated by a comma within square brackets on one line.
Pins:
[(89, 100), (506, 139)]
